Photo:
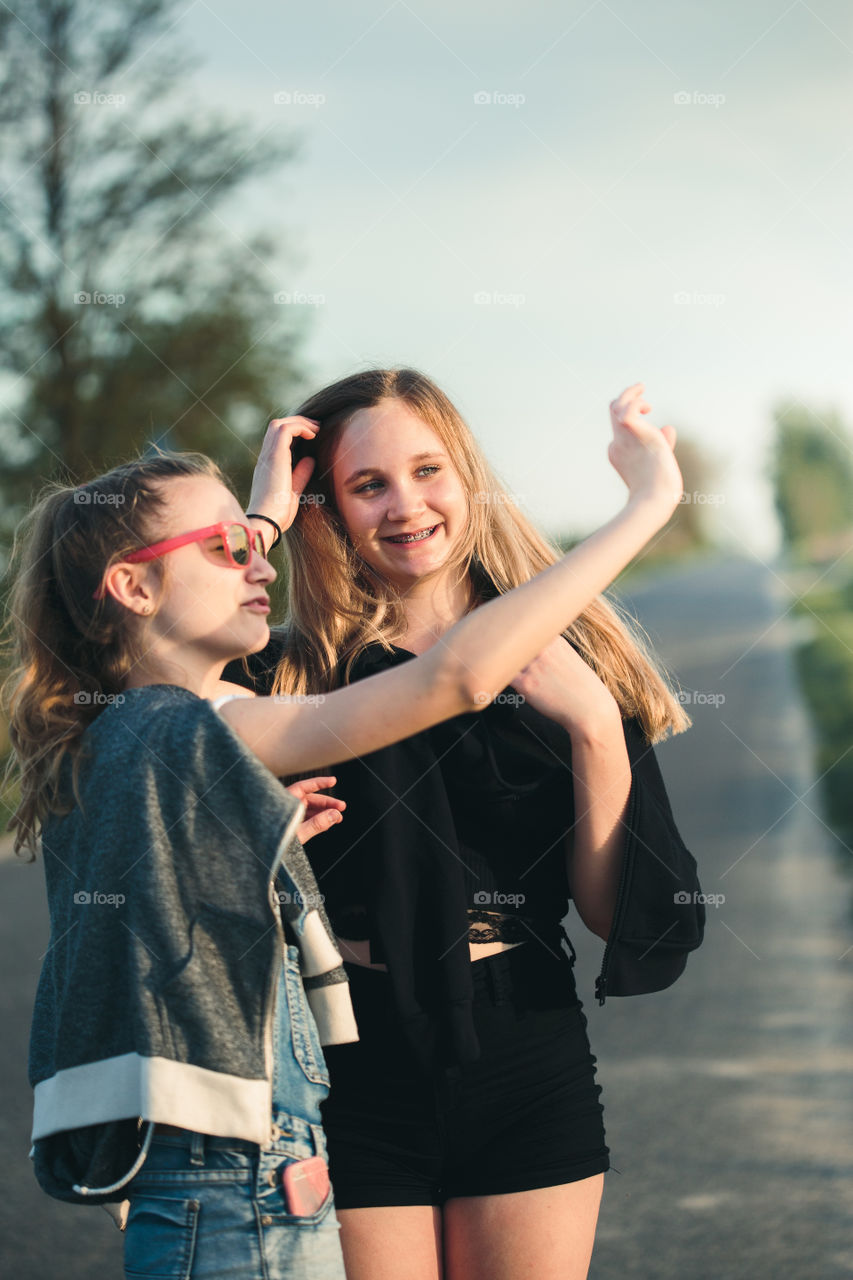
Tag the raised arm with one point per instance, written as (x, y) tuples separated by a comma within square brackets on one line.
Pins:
[(484, 651)]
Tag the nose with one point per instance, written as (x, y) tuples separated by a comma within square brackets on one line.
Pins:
[(260, 569), (404, 501)]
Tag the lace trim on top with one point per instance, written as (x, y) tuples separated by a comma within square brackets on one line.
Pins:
[(483, 926), (489, 926)]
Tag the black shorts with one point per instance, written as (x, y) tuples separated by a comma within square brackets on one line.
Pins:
[(526, 1114)]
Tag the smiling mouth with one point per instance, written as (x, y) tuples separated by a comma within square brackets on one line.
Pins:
[(405, 539)]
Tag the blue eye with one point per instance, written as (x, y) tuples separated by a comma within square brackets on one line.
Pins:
[(430, 468)]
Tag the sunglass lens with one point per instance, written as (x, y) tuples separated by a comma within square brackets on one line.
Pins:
[(238, 544)]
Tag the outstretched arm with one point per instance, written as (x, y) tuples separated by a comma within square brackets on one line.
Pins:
[(484, 651)]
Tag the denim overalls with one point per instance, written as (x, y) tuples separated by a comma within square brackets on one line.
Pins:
[(213, 1208)]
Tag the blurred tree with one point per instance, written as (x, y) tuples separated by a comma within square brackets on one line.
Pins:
[(690, 528), (130, 311), (811, 469)]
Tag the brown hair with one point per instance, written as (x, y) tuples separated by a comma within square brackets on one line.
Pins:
[(71, 654), (339, 604)]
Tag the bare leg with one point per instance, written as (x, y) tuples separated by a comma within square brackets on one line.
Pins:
[(546, 1234), (393, 1242)]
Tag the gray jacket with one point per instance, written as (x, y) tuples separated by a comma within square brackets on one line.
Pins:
[(157, 990)]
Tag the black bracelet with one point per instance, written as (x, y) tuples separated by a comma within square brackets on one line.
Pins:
[(256, 515)]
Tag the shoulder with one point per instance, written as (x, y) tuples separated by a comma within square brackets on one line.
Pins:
[(163, 726), (370, 660), (257, 670), (142, 710)]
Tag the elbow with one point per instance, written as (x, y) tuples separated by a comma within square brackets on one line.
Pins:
[(464, 690), (474, 696), (598, 927), (596, 924)]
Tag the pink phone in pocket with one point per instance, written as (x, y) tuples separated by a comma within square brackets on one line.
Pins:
[(306, 1185)]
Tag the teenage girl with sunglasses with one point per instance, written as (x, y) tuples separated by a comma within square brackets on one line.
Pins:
[(175, 1061)]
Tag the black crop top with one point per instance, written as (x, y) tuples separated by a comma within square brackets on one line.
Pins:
[(506, 776), (489, 794), (402, 854), (465, 822)]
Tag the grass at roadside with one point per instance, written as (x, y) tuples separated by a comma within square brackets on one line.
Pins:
[(825, 670)]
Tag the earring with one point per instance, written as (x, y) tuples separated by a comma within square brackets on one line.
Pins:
[(146, 608)]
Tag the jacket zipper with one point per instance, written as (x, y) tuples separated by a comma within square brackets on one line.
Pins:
[(601, 980), (275, 906)]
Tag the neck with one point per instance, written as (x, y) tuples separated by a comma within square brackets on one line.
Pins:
[(200, 676), (431, 607)]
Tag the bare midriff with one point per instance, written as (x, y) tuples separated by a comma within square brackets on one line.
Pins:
[(358, 951)]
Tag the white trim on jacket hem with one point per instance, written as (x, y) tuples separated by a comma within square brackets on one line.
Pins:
[(156, 1089)]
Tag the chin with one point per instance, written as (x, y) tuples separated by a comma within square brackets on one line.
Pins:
[(417, 573), (254, 639), (263, 639)]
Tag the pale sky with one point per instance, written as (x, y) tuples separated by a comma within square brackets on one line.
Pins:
[(581, 200)]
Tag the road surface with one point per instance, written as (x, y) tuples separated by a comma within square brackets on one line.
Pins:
[(728, 1098)]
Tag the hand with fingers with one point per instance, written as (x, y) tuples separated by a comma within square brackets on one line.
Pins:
[(641, 453), (277, 485), (322, 811)]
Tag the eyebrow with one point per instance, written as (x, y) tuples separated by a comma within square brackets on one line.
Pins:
[(373, 471)]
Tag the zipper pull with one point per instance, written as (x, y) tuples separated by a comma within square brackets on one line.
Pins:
[(601, 988)]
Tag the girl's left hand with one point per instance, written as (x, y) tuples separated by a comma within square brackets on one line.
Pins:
[(277, 485), (322, 812), (560, 685)]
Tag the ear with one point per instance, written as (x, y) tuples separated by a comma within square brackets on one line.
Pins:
[(131, 586)]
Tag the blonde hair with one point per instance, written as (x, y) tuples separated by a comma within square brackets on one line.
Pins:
[(70, 653), (338, 604)]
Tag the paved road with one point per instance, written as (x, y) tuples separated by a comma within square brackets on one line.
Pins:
[(728, 1097)]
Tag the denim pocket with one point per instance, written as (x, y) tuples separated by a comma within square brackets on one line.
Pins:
[(272, 1202), (159, 1242), (303, 1029)]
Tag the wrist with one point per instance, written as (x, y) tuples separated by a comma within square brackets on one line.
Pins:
[(652, 506), (269, 529), (595, 725)]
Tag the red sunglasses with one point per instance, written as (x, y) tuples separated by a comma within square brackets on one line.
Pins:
[(238, 543)]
